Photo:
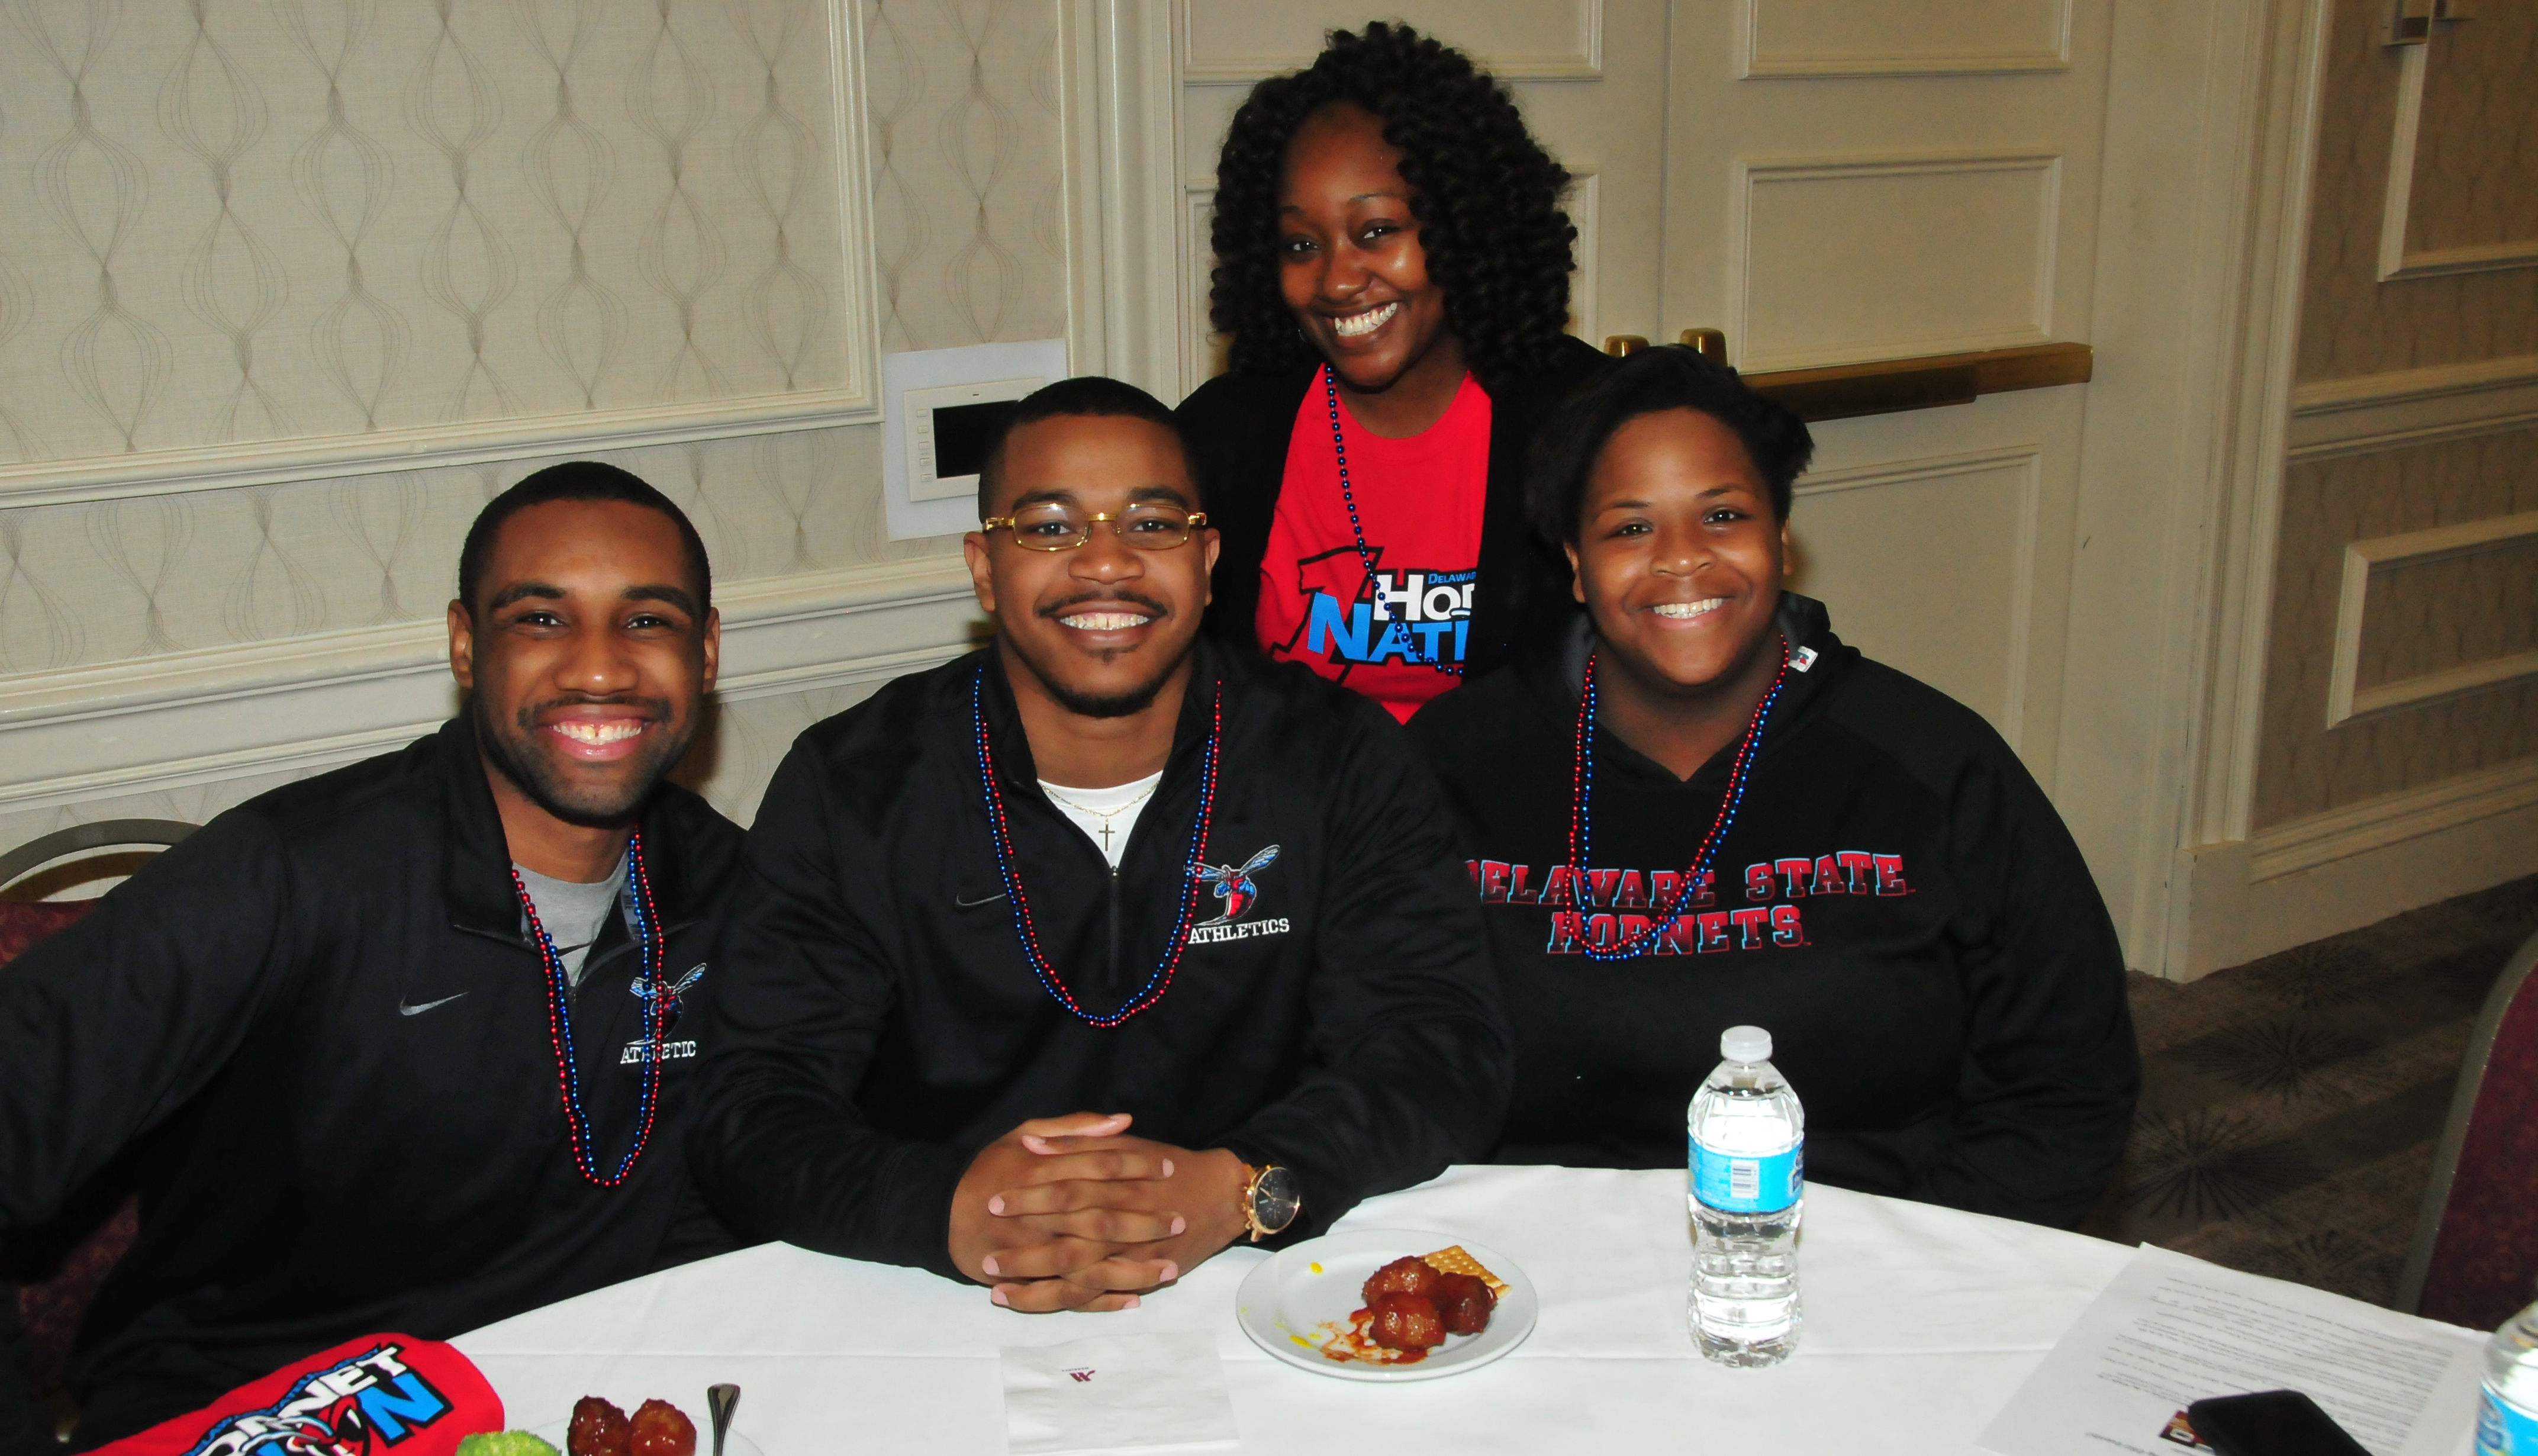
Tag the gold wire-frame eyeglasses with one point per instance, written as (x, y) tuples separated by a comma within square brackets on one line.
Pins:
[(1055, 527)]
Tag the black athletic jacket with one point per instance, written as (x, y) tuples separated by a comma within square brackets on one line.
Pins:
[(319, 1031), (1897, 903), (1238, 426), (880, 1024)]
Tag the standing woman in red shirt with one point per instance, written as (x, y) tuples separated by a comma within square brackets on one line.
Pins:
[(1393, 267)]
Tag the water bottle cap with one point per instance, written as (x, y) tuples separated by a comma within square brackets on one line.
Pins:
[(1744, 1044)]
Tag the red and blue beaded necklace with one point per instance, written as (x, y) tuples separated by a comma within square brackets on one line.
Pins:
[(1582, 791), (1364, 558), (657, 1008), (1162, 979)]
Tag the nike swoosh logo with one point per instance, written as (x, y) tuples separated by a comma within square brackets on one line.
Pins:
[(970, 904), (405, 1009)]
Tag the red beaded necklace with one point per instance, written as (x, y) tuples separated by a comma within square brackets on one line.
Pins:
[(658, 1003), (1581, 794), (1366, 558), (1002, 837)]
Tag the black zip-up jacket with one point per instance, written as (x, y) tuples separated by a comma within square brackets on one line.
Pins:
[(318, 1030), (1238, 426), (880, 1023), (1897, 903)]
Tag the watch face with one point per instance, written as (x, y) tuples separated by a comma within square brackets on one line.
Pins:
[(1276, 1197)]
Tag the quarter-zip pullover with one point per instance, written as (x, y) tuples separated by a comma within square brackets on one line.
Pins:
[(314, 1037), (1896, 901), (880, 1023)]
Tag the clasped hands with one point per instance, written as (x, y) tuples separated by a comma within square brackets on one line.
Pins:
[(1070, 1213)]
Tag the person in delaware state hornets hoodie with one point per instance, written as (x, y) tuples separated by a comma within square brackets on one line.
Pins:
[(319, 1038), (1095, 877), (1766, 828)]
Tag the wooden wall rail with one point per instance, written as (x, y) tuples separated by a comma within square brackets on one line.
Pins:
[(1892, 385)]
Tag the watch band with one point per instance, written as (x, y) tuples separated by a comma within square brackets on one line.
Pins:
[(1250, 1200)]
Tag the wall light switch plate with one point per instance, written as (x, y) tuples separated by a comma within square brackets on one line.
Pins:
[(941, 408), (950, 430)]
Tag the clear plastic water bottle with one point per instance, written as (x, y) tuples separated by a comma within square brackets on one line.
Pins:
[(2506, 1424), (1748, 1138)]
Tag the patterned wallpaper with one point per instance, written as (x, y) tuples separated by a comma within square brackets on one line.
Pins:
[(100, 582), (968, 193), (968, 212), (2476, 162), (463, 146), (255, 220), (2466, 608), (2430, 616), (2476, 182)]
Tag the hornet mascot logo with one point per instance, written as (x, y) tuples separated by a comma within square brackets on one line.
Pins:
[(1234, 885), (648, 988)]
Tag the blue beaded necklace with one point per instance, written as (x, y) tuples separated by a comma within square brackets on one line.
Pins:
[(1581, 830), (1162, 979), (1364, 558), (657, 1009)]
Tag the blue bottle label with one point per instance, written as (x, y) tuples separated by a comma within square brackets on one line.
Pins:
[(1748, 1185), (2503, 1431)]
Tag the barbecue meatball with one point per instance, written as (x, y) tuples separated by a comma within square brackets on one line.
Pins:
[(1465, 1303), (598, 1428), (1406, 1322), (1405, 1276), (661, 1429)]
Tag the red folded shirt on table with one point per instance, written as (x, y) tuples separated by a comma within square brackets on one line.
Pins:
[(376, 1394)]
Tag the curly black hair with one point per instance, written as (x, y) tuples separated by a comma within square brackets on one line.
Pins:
[(1487, 197), (1670, 377)]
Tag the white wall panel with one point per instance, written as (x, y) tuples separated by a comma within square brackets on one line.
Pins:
[(1904, 37), (1242, 39), (1926, 566), (1835, 261)]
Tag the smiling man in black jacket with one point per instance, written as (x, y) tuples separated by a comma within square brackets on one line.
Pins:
[(1097, 876), (316, 1033)]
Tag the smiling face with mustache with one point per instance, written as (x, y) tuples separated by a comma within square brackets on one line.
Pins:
[(588, 661), (1101, 631)]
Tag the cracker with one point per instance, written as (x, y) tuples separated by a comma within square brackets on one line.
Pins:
[(1455, 1261)]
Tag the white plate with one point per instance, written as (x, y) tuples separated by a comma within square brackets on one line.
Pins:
[(1285, 1301), (733, 1443)]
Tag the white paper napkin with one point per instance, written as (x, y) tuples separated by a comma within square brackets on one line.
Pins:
[(1116, 1392)]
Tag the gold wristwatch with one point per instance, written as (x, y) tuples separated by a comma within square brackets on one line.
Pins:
[(1270, 1198)]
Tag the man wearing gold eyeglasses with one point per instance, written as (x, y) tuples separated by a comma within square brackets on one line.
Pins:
[(1097, 876)]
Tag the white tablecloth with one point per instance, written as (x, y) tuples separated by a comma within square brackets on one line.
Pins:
[(1919, 1323)]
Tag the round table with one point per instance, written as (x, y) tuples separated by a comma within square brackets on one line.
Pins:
[(1920, 1322)]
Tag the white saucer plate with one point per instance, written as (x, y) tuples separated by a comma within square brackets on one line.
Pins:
[(1286, 1300)]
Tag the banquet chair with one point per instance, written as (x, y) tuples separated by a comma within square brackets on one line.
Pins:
[(2475, 1255), (55, 1268)]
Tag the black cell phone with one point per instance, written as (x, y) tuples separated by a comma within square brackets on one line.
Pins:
[(2270, 1422)]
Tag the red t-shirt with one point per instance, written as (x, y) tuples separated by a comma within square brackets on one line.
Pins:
[(1420, 502), (378, 1393)]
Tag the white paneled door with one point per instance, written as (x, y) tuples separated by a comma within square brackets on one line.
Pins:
[(1862, 179)]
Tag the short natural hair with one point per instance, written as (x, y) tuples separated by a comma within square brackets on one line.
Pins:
[(1669, 378), (1085, 395), (574, 479)]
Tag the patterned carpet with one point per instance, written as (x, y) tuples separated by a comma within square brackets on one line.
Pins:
[(2289, 1105)]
